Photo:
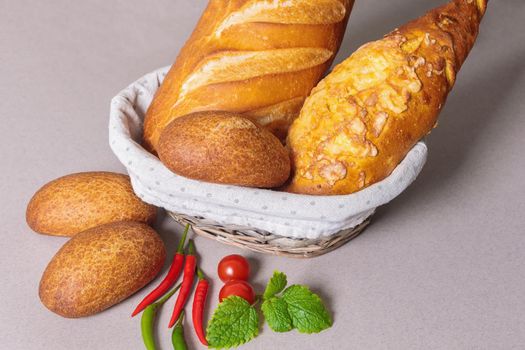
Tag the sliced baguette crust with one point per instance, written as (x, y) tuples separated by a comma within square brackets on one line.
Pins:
[(364, 117), (250, 56)]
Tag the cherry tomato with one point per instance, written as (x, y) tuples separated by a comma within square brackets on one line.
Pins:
[(239, 288), (233, 267)]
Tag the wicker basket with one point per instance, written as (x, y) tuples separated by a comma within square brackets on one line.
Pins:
[(264, 221), (265, 242)]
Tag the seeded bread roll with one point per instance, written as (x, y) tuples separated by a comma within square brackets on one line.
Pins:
[(364, 117), (256, 57), (225, 148)]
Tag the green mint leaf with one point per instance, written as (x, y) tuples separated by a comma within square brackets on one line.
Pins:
[(275, 311), (276, 284), (306, 309), (233, 323)]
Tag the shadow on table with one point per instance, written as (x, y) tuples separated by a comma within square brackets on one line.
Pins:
[(463, 124)]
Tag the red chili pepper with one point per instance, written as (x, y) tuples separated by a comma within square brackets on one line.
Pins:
[(187, 282), (169, 280), (197, 312)]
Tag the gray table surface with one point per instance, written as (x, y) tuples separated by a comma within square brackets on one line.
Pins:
[(441, 267)]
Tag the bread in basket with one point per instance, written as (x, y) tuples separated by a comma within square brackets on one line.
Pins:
[(261, 220)]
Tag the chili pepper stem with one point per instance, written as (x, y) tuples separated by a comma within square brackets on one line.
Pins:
[(168, 295), (191, 247), (180, 320), (180, 247), (200, 274)]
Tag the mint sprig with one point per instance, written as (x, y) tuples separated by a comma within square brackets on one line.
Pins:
[(236, 322), (233, 323), (298, 307)]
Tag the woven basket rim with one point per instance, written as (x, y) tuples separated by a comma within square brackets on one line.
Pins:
[(268, 243)]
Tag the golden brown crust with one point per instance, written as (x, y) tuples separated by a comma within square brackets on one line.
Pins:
[(224, 147), (77, 202), (249, 55), (100, 267), (363, 118)]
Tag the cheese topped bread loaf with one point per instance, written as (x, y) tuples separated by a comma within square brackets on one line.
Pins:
[(364, 117)]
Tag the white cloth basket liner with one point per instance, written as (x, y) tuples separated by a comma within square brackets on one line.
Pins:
[(286, 214)]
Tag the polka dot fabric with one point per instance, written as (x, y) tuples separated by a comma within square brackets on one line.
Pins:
[(285, 214)]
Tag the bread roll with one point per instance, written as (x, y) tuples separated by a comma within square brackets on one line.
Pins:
[(77, 202), (100, 267), (225, 148), (257, 57), (364, 117)]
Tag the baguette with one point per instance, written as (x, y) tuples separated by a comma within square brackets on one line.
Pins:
[(364, 117), (256, 57)]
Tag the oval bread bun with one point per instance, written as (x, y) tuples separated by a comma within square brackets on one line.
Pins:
[(77, 202), (100, 267), (224, 147)]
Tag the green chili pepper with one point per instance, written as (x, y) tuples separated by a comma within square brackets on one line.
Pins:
[(177, 337), (148, 320)]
